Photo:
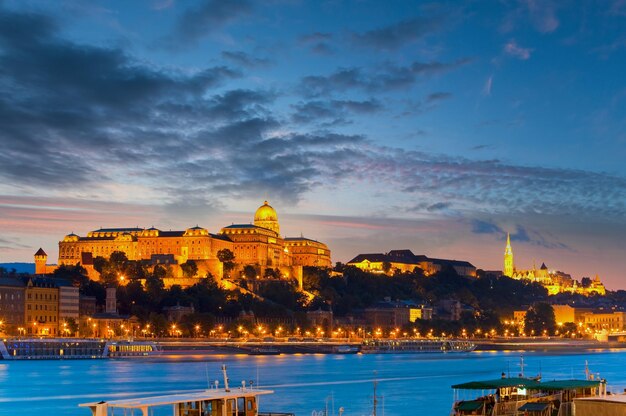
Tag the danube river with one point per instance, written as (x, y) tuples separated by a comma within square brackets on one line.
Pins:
[(409, 384)]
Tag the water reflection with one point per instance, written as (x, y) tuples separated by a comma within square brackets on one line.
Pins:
[(409, 384)]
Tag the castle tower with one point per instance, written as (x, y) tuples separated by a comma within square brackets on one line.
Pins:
[(41, 258), (266, 217), (508, 258)]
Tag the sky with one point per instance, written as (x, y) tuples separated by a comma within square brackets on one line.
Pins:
[(368, 125)]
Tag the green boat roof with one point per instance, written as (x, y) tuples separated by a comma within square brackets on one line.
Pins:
[(470, 405), (498, 383), (568, 384), (534, 407)]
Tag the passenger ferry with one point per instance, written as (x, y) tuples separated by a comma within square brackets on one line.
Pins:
[(513, 396), (69, 348), (215, 401), (422, 345)]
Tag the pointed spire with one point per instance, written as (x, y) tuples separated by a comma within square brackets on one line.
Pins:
[(509, 268), (508, 249)]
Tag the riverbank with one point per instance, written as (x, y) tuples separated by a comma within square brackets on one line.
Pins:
[(90, 348), (545, 345)]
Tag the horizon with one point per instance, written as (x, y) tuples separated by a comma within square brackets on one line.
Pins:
[(434, 127)]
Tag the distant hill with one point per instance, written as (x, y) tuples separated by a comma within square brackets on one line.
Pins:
[(19, 267)]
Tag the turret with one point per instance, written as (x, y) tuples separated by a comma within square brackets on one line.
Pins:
[(41, 258)]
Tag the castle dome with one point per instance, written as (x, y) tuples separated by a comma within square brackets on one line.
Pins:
[(266, 217), (265, 213)]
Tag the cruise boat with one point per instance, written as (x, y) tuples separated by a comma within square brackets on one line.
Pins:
[(421, 345), (130, 348), (516, 396), (216, 401), (69, 348)]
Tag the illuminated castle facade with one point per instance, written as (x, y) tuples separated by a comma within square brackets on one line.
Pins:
[(553, 280), (259, 244)]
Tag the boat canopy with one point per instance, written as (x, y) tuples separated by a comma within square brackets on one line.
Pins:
[(498, 384), (212, 394), (568, 384)]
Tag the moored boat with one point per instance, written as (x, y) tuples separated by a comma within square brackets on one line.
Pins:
[(74, 348), (516, 396), (421, 345), (130, 348), (226, 401)]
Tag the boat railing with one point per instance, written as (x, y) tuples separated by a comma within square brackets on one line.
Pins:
[(510, 407), (275, 414), (566, 409)]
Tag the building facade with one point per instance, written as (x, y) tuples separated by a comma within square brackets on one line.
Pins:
[(258, 244), (406, 261), (553, 280), (11, 305), (41, 306)]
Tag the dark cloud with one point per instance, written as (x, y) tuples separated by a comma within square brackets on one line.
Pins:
[(245, 60), (315, 37), (520, 234), (426, 104), (429, 207), (437, 96), (317, 42), (384, 78), (398, 34), (337, 111), (210, 15), (485, 227)]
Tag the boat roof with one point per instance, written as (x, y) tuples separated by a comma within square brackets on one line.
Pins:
[(498, 383), (527, 383), (143, 402), (568, 384)]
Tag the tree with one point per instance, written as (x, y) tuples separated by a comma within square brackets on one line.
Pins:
[(76, 274), (539, 318), (271, 274), (585, 282), (190, 268), (250, 272), (228, 260), (386, 267), (72, 326)]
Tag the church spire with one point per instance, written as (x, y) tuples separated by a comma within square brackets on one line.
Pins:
[(508, 257)]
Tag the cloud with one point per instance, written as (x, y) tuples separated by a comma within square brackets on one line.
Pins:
[(398, 34), (542, 14), (488, 85), (245, 60), (337, 111), (384, 78), (521, 234), (94, 122), (513, 49), (209, 16), (485, 227), (315, 37), (317, 42), (162, 4), (426, 104)]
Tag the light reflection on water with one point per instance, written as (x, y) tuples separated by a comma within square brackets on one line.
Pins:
[(409, 384)]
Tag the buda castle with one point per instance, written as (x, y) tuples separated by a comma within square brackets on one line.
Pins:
[(259, 244), (554, 281)]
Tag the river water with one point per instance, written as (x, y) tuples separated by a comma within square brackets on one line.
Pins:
[(410, 384)]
